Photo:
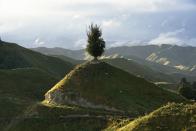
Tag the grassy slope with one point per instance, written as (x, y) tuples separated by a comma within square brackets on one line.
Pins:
[(25, 76), (74, 54), (171, 81), (68, 59), (172, 117), (14, 56), (146, 72), (107, 85), (61, 118), (30, 82), (20, 88)]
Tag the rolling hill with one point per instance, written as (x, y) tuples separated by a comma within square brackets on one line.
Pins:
[(13, 56), (49, 117), (57, 51), (93, 96), (179, 57), (25, 76), (68, 59), (139, 70), (167, 80), (102, 86), (162, 58), (20, 88), (172, 117)]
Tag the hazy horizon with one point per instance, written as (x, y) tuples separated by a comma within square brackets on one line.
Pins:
[(63, 23)]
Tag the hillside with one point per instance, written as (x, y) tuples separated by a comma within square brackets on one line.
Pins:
[(139, 70), (25, 76), (172, 117), (101, 86), (48, 117), (68, 59), (179, 57), (13, 56), (20, 88), (167, 80), (164, 58), (57, 51)]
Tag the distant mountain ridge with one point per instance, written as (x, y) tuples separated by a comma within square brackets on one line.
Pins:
[(75, 54), (182, 58), (167, 58)]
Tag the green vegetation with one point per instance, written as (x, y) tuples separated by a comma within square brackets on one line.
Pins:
[(70, 60), (187, 89), (96, 44), (49, 117), (93, 96), (20, 88), (143, 71), (172, 117), (13, 56), (57, 51), (31, 82), (102, 84), (25, 76)]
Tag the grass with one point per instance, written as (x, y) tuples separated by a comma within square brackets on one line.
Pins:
[(67, 59), (19, 88), (13, 56), (103, 84), (60, 118), (31, 82), (25, 76), (172, 117), (137, 69)]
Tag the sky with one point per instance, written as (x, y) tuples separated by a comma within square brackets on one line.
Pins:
[(63, 23)]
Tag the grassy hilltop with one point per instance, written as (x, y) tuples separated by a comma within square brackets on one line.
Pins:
[(104, 85), (172, 117)]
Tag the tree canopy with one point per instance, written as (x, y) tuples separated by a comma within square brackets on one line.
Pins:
[(96, 43)]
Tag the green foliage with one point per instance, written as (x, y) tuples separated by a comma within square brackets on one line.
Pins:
[(194, 85), (96, 44), (186, 89), (172, 117)]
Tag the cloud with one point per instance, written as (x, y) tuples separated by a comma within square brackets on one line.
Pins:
[(168, 38), (80, 44), (64, 21), (110, 23), (9, 27), (38, 42), (192, 41), (48, 7)]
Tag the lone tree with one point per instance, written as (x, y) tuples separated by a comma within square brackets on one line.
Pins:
[(96, 43), (186, 89)]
